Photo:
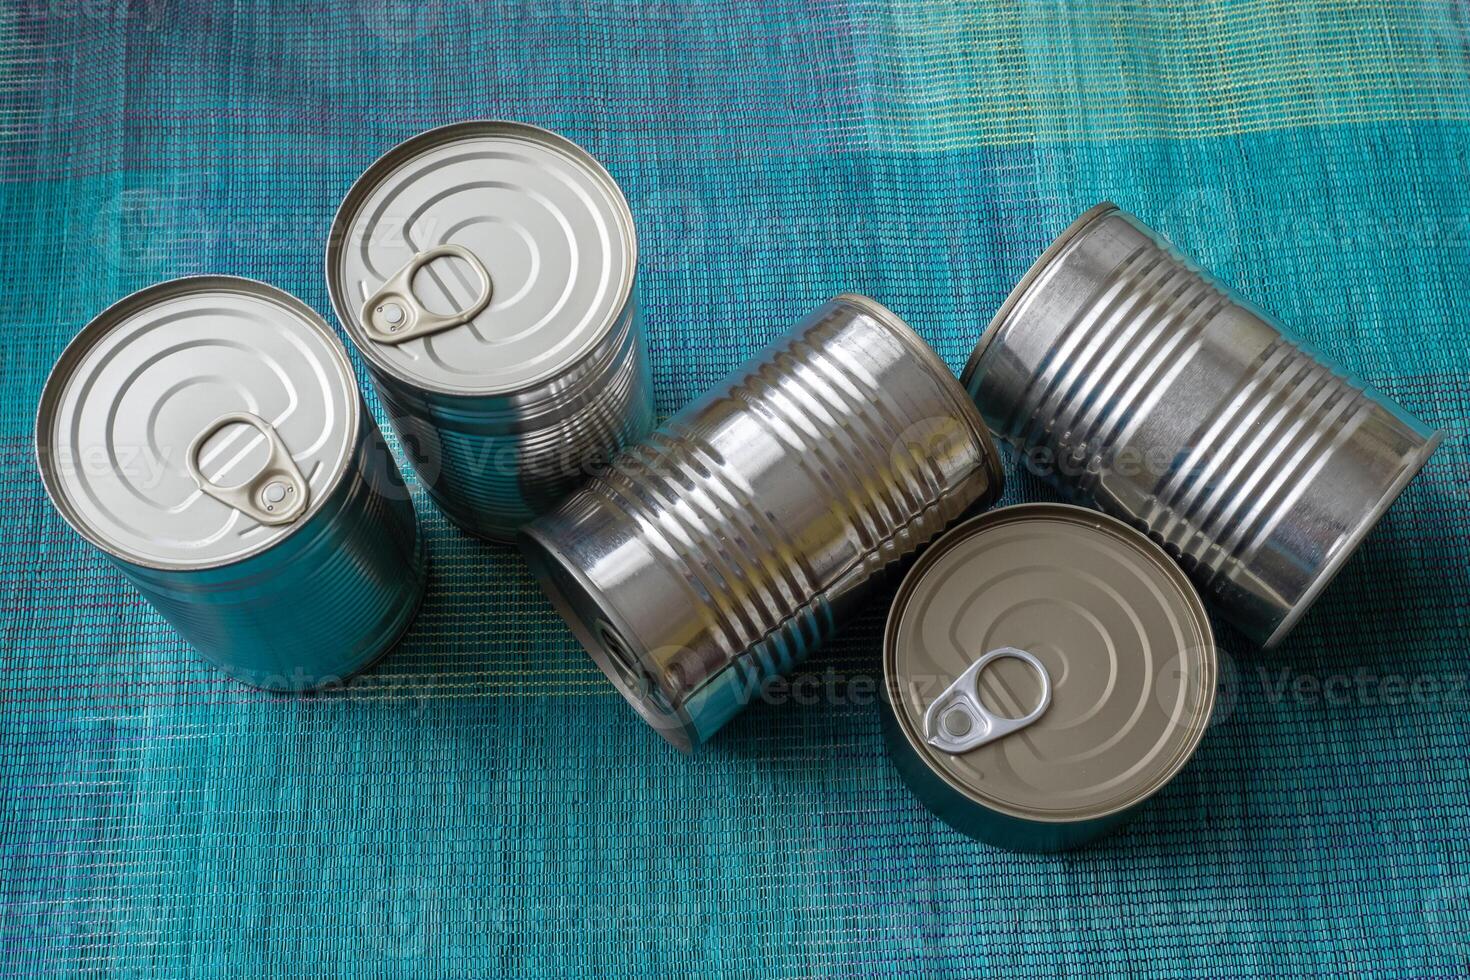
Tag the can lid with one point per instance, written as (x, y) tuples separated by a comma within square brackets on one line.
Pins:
[(1126, 659), (197, 422), (502, 253)]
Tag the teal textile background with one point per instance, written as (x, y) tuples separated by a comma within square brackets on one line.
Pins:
[(482, 803)]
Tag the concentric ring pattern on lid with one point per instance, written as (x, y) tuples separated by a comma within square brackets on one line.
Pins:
[(1119, 630), (550, 227), (142, 381)]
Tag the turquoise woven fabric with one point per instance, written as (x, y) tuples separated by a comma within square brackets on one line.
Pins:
[(482, 803)]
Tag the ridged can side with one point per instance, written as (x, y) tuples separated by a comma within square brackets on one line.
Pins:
[(493, 463), (719, 552), (1143, 387), (323, 604)]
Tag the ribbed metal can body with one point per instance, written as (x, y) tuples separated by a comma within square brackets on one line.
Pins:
[(494, 462), (722, 550), (207, 435), (1146, 389), (486, 271), (322, 604)]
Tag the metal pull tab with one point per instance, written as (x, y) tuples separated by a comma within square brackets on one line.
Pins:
[(393, 314), (957, 722), (277, 494)]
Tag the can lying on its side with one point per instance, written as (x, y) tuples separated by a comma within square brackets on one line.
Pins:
[(485, 270), (1147, 390), (724, 548), (208, 436), (1046, 669)]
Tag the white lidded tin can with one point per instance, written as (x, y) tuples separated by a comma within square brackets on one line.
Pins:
[(1146, 389), (723, 549), (486, 270), (208, 436), (1047, 669)]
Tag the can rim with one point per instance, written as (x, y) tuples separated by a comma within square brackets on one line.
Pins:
[(1022, 288), (348, 211), (1072, 513), (544, 557), (1348, 546), (962, 400), (135, 302)]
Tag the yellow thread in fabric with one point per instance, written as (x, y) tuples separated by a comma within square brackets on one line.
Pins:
[(951, 75)]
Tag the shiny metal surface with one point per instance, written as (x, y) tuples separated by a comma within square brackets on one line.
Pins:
[(394, 314), (507, 413), (958, 720), (1119, 632), (1144, 388), (134, 390), (723, 549), (276, 494), (239, 385)]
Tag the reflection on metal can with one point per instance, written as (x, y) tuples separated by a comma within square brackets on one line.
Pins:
[(1144, 388), (719, 552), (208, 436), (485, 270), (1046, 670)]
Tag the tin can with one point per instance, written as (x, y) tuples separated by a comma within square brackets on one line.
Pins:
[(207, 435), (1046, 670), (1146, 389), (722, 550), (485, 270)]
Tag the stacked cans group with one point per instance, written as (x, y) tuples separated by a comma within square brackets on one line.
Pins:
[(1047, 667)]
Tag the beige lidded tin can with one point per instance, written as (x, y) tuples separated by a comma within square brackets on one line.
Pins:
[(486, 272), (1046, 670)]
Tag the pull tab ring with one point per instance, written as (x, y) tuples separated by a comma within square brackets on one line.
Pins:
[(276, 494), (393, 314), (957, 721)]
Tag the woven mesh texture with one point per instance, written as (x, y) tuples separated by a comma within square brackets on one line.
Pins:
[(483, 803)]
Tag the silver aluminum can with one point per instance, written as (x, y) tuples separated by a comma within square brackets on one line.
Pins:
[(1046, 670), (1148, 390), (485, 270), (722, 550), (208, 436)]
